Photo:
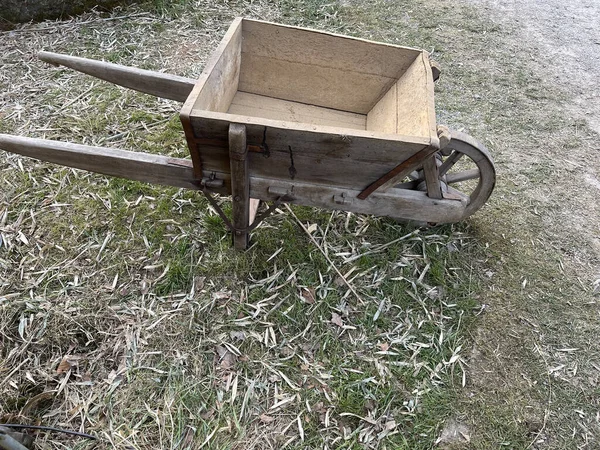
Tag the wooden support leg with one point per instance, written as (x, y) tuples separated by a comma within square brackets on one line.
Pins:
[(432, 177), (240, 185)]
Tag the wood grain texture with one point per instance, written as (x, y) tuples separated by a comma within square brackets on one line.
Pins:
[(240, 185), (399, 203), (254, 105), (397, 174), (319, 157), (413, 97), (137, 166), (432, 177), (383, 117), (159, 84), (319, 68), (224, 61), (222, 73)]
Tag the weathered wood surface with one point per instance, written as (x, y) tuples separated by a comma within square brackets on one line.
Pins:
[(415, 104), (215, 88), (240, 185), (432, 177), (159, 84), (254, 105), (407, 108), (400, 203), (319, 68), (137, 166), (338, 159), (398, 173)]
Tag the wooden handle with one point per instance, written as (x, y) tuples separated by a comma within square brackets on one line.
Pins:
[(159, 84), (137, 166)]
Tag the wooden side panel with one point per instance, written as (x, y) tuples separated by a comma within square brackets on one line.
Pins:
[(214, 90), (223, 77), (307, 155), (384, 115), (272, 108), (319, 68), (414, 95)]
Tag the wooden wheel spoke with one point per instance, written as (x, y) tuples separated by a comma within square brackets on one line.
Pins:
[(465, 175), (449, 162)]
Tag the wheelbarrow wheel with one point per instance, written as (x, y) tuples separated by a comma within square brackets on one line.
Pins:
[(468, 171)]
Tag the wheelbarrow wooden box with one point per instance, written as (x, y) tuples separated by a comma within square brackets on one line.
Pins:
[(296, 115), (345, 111)]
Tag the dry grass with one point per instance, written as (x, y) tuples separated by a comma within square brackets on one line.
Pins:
[(125, 313)]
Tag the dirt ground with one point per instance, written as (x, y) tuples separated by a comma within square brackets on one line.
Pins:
[(535, 361)]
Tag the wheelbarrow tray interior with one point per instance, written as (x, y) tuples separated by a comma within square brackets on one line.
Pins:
[(332, 110)]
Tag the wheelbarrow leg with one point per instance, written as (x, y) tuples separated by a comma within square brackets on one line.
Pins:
[(432, 177), (240, 185)]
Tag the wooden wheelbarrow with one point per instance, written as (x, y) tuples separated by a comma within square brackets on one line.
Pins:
[(286, 114)]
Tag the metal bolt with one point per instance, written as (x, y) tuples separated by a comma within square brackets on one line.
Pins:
[(237, 198)]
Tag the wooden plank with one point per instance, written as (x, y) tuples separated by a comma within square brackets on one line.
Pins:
[(216, 86), (315, 85), (221, 84), (320, 141), (319, 68), (384, 115), (137, 166), (240, 185), (328, 171), (413, 95), (432, 177), (398, 203), (254, 105), (320, 48), (154, 83)]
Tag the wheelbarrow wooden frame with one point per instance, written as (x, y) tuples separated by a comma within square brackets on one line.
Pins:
[(376, 170)]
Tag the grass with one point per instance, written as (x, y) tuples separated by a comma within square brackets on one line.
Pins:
[(177, 341)]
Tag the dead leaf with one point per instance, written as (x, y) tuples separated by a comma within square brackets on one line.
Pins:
[(68, 362), (337, 320), (33, 403), (188, 438), (390, 425), (208, 414), (308, 295), (339, 282), (384, 346), (144, 286), (227, 359), (264, 418)]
